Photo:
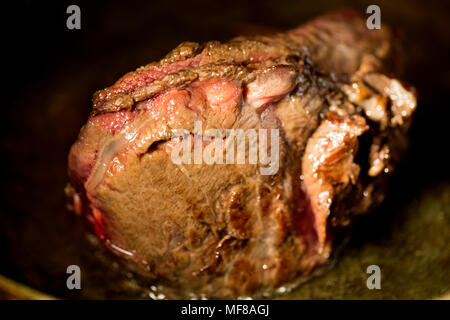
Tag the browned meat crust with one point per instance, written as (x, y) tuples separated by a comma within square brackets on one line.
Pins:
[(228, 230)]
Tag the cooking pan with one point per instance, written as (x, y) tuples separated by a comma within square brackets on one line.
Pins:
[(52, 73)]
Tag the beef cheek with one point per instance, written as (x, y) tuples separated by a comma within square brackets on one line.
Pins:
[(226, 230)]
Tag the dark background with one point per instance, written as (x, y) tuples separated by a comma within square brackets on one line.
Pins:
[(50, 73)]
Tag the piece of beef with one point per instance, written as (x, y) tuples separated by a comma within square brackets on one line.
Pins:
[(227, 230)]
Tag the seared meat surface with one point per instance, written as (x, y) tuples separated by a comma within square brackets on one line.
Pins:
[(229, 230)]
